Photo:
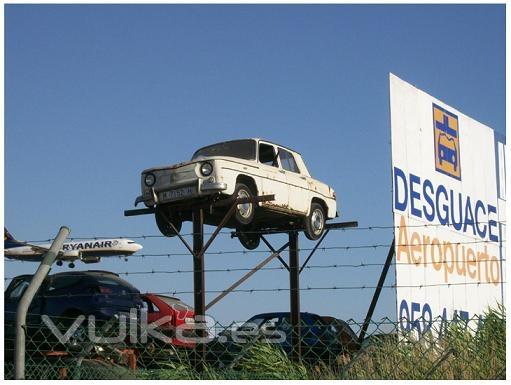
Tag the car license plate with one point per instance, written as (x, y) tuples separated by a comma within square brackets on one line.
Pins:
[(178, 193)]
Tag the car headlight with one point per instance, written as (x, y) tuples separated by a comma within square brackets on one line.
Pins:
[(206, 169), (149, 179)]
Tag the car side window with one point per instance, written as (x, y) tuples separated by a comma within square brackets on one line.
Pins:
[(288, 161), (18, 291), (271, 323), (151, 307), (267, 155)]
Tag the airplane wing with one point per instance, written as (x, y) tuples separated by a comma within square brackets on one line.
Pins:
[(38, 249)]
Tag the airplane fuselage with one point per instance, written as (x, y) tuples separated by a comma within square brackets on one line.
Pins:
[(76, 250)]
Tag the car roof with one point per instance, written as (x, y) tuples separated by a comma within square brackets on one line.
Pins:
[(86, 272), (256, 139), (279, 314), (276, 144), (162, 296), (95, 274), (67, 273)]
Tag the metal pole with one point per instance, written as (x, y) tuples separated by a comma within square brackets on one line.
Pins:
[(294, 286), (28, 296), (198, 283), (377, 292)]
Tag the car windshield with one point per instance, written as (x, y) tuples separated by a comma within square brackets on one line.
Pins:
[(175, 303), (59, 282), (243, 149), (251, 323), (261, 321)]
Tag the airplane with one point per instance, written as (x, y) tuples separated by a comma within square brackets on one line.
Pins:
[(87, 251)]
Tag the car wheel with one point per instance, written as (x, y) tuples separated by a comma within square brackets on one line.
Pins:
[(244, 212), (315, 222), (248, 240), (164, 226)]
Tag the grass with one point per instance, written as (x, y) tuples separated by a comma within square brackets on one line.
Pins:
[(462, 351)]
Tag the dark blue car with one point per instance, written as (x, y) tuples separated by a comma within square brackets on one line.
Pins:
[(65, 296), (322, 338), (69, 294)]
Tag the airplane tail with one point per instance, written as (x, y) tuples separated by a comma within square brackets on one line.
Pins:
[(10, 241)]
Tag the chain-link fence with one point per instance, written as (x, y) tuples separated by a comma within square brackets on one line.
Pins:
[(77, 347)]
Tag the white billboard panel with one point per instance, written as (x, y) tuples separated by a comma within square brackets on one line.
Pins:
[(446, 210)]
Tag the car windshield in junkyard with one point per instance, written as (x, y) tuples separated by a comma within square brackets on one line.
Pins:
[(243, 149), (176, 303)]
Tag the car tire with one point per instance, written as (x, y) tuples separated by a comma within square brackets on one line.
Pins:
[(315, 222), (164, 226), (249, 240), (245, 212)]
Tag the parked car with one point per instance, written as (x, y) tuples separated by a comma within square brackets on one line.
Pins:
[(69, 294), (320, 340), (177, 313), (240, 168), (65, 296)]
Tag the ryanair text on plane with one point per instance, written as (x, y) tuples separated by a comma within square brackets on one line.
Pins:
[(87, 245)]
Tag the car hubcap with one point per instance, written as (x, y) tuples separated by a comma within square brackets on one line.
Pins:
[(244, 209), (317, 221)]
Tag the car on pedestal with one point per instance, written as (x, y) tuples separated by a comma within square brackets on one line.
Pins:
[(243, 168)]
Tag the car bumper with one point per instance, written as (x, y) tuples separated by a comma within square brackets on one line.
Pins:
[(204, 188), (218, 186)]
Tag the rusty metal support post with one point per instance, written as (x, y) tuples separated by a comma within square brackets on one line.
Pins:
[(294, 290), (377, 292), (199, 285)]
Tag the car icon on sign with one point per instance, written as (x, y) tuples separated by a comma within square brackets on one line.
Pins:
[(447, 150)]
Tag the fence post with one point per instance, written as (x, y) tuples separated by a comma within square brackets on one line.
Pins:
[(28, 296), (199, 286), (377, 292), (294, 290)]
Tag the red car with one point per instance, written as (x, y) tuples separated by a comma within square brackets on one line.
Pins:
[(178, 313)]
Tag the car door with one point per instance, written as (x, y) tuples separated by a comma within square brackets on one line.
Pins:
[(273, 178), (12, 297), (299, 196)]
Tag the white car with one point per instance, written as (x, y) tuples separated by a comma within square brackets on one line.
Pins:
[(241, 168)]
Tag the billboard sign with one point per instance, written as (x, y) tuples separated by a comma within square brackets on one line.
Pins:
[(446, 210)]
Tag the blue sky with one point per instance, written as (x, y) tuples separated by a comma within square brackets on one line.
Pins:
[(95, 94)]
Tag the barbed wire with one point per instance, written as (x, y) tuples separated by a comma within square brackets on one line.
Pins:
[(255, 290), (239, 269), (310, 288), (385, 320), (270, 231), (321, 248)]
